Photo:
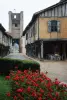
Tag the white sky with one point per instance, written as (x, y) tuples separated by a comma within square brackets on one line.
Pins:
[(28, 6)]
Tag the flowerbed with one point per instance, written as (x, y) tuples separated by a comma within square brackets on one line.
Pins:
[(29, 85)]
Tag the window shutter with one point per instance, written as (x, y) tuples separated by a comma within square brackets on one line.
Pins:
[(49, 26), (58, 26)]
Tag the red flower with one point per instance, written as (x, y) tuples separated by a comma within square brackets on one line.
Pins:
[(50, 89), (19, 72), (20, 90), (41, 90), (8, 94), (37, 71), (48, 79), (49, 95), (54, 99), (34, 94), (25, 71), (36, 85), (16, 78), (22, 77), (57, 94), (39, 94), (16, 67), (17, 83), (29, 89), (40, 98), (7, 77), (20, 96), (15, 97), (56, 79), (57, 82), (63, 84), (49, 84)]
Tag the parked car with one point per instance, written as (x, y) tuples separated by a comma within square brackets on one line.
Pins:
[(57, 57), (53, 57)]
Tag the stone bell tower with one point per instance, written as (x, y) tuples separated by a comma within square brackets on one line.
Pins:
[(16, 28)]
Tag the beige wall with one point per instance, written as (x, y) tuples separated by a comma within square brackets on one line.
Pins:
[(43, 28)]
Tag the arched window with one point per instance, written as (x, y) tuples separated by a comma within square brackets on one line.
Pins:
[(53, 26)]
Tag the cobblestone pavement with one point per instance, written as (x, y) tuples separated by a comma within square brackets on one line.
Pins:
[(55, 69)]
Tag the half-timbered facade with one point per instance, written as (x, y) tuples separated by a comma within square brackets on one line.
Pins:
[(46, 34), (5, 41)]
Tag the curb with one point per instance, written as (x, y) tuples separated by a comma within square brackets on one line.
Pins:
[(42, 60), (31, 58)]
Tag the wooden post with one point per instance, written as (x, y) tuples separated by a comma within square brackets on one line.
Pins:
[(41, 49), (64, 51)]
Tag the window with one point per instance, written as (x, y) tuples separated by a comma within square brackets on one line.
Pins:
[(14, 16), (53, 26), (16, 25)]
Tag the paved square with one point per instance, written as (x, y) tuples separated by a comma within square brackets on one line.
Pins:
[(55, 69)]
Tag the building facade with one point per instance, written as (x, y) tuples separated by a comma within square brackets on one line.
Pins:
[(46, 34), (5, 42), (16, 29)]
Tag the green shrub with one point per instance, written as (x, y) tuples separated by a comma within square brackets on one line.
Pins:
[(9, 64)]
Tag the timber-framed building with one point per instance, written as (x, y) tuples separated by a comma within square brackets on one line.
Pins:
[(5, 41), (47, 32)]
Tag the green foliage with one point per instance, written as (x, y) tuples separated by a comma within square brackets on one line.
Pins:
[(10, 64), (4, 88)]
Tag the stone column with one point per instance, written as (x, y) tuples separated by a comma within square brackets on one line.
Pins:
[(41, 49), (21, 23), (21, 32)]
